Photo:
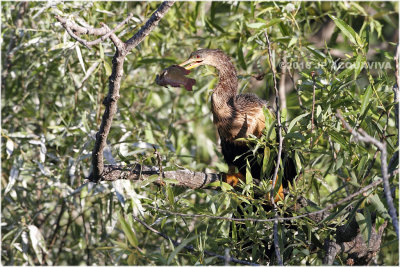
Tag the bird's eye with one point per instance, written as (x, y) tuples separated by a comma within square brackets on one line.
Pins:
[(197, 56)]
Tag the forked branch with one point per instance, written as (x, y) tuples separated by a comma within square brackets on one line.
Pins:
[(122, 49)]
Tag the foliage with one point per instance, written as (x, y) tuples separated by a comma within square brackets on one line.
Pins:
[(51, 112)]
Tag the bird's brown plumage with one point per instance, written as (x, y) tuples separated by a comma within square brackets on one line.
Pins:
[(235, 115)]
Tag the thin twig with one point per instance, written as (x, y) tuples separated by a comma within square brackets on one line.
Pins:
[(102, 38), (280, 140), (72, 27), (149, 26), (57, 228), (332, 147), (86, 235), (61, 246), (362, 136), (313, 107), (396, 89), (295, 88), (158, 156), (66, 23), (371, 165), (282, 82), (190, 247), (76, 37)]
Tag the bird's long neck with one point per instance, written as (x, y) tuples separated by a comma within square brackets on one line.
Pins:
[(228, 82), (222, 100)]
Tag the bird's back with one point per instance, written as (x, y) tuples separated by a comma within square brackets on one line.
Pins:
[(248, 118)]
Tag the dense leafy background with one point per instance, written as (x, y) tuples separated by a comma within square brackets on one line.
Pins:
[(50, 116)]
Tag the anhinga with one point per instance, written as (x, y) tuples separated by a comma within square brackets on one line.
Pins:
[(235, 115)]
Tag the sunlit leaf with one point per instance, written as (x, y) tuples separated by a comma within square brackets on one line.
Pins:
[(130, 235)]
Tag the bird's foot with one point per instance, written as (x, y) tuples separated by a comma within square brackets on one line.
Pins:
[(233, 178)]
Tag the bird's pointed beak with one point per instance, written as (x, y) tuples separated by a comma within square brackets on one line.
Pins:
[(191, 63)]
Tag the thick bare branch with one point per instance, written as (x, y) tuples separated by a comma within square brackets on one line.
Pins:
[(114, 85), (359, 251), (184, 178)]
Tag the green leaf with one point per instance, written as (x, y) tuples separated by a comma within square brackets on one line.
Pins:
[(274, 21), (293, 41), (346, 29), (179, 248), (107, 68), (366, 99), (338, 138), (249, 177), (333, 215), (130, 235), (131, 259), (214, 25), (295, 120), (368, 220), (295, 135), (121, 245), (362, 223), (270, 124), (80, 58), (240, 55), (170, 195), (257, 25), (266, 160), (66, 45), (380, 208), (316, 52), (37, 241), (359, 65)]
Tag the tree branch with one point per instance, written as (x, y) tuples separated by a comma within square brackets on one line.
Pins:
[(122, 49), (66, 23), (184, 178), (311, 215), (282, 82), (149, 26), (114, 85), (359, 251), (280, 140), (105, 36), (313, 108), (361, 135)]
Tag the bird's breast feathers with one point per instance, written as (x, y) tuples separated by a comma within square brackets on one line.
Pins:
[(241, 124)]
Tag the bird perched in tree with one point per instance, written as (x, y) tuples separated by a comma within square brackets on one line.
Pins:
[(235, 116)]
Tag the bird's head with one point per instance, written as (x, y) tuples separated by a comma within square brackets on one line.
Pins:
[(212, 57)]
